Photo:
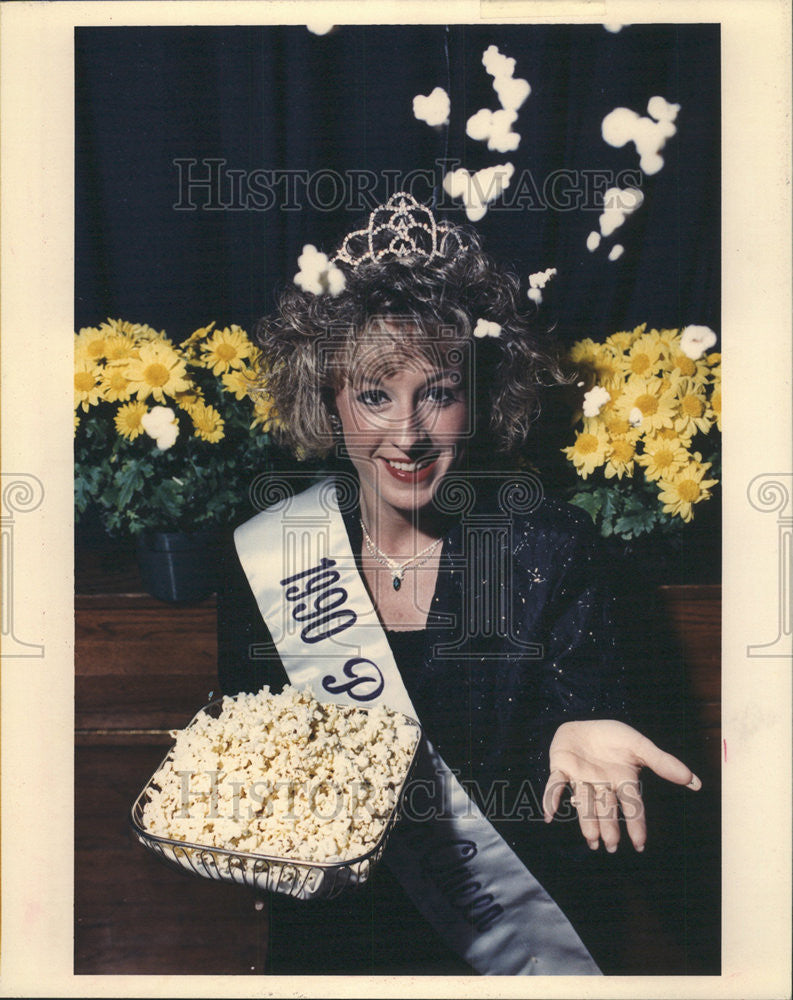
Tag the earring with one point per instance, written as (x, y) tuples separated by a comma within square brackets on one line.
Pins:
[(335, 423)]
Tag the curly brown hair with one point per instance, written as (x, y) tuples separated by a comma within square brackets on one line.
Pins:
[(422, 304)]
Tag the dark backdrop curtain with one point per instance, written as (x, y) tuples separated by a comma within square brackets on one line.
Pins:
[(298, 136)]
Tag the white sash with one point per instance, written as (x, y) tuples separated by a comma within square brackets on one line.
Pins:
[(456, 868)]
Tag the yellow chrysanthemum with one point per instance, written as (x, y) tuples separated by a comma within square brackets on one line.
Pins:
[(240, 382), (714, 375), (670, 339), (158, 370), (190, 345), (208, 422), (670, 434), (583, 352), (669, 381), (225, 349), (686, 488), (137, 331), (614, 419), (128, 420), (663, 455), (645, 355), (587, 452), (119, 347), (653, 403), (264, 412), (609, 367), (89, 345), (620, 341), (693, 413), (187, 400), (620, 456), (115, 384), (682, 365), (87, 388), (715, 406)]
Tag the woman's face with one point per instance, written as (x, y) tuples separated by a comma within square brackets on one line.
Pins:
[(404, 421)]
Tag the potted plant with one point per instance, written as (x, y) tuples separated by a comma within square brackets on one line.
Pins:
[(167, 440), (647, 444)]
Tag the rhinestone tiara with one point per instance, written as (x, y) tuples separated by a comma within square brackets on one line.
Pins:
[(401, 228)]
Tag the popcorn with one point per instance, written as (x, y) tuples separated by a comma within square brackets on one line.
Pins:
[(538, 281), (283, 775), (317, 274), (432, 108), (618, 204), (649, 135), (478, 189), (495, 128), (595, 400), (487, 328)]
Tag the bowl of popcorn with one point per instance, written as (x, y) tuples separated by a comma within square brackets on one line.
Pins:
[(279, 792)]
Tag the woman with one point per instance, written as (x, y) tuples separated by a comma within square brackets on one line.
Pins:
[(448, 585)]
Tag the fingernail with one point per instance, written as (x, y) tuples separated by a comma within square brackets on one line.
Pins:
[(695, 784), (593, 844), (640, 848), (611, 848)]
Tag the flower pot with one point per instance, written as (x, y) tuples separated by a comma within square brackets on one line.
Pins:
[(176, 566)]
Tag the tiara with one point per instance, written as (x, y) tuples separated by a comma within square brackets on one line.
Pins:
[(401, 228)]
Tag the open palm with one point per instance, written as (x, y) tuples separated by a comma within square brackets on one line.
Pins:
[(601, 761)]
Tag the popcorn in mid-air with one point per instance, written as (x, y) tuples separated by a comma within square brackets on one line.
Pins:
[(432, 108), (649, 135)]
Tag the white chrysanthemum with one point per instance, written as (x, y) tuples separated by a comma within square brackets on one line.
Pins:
[(695, 340), (487, 328), (161, 424), (432, 108), (622, 125), (317, 274), (595, 400)]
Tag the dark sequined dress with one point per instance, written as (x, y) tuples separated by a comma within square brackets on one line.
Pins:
[(519, 639)]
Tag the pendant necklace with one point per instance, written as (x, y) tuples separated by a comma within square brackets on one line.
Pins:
[(397, 569)]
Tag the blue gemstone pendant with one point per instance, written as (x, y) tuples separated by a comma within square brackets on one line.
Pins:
[(397, 583)]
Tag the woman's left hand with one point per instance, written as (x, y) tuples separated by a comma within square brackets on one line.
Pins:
[(601, 761)]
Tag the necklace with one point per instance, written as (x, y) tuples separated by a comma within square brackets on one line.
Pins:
[(397, 569)]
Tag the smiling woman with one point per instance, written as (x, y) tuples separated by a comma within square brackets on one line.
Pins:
[(470, 601)]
